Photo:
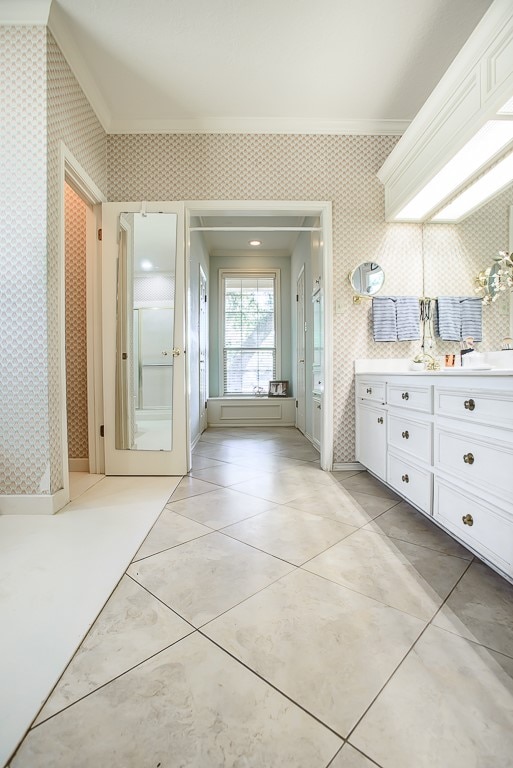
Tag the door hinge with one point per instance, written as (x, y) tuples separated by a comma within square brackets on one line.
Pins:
[(205, 405), (296, 404), (100, 234), (297, 296), (206, 298), (102, 430)]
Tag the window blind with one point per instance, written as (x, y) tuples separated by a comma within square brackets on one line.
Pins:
[(249, 349)]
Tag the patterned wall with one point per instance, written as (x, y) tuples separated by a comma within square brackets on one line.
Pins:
[(76, 325), (71, 120), (337, 168), (40, 104), (24, 459), (258, 167)]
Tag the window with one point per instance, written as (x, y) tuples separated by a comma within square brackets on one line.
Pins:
[(249, 330)]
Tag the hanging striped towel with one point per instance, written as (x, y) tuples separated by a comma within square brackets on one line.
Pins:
[(472, 318), (384, 324), (448, 325), (408, 318)]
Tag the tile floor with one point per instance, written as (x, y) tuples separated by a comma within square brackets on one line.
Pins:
[(276, 616)]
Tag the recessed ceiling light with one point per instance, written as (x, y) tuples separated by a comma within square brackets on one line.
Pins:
[(146, 265), (255, 243)]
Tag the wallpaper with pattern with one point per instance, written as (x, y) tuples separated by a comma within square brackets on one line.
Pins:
[(76, 325), (337, 168), (40, 104), (71, 120), (24, 423)]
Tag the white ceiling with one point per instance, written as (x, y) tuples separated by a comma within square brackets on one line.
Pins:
[(256, 65)]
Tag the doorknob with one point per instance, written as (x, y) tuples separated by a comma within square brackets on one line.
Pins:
[(176, 352)]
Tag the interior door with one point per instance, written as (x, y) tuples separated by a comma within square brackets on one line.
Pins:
[(300, 353), (203, 350), (143, 322)]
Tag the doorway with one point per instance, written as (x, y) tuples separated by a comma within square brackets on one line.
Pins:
[(245, 217)]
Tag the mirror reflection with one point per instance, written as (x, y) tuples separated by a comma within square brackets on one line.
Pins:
[(367, 278), (145, 331)]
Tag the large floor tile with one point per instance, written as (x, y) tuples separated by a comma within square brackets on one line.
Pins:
[(290, 534), (309, 472), (336, 503), (275, 488), (349, 757), (303, 452), (408, 577), (220, 508), (191, 706), (327, 647), (189, 486), (270, 463), (365, 483), (170, 530), (481, 609), (202, 462), (207, 576), (404, 522), (450, 703), (227, 474), (133, 626)]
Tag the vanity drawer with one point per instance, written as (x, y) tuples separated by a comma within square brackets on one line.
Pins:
[(491, 407), (414, 397), (371, 390), (411, 482), (411, 436), (483, 527), (482, 462)]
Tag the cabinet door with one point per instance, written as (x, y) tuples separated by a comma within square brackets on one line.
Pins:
[(372, 439)]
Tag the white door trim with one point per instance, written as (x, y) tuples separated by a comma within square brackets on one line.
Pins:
[(323, 209), (71, 172)]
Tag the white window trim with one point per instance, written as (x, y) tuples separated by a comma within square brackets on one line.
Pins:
[(270, 272)]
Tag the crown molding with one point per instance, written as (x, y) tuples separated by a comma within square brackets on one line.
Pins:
[(255, 125), (59, 29), (29, 12)]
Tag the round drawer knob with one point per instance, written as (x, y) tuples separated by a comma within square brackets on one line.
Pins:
[(405, 479), (405, 396), (469, 404), (405, 434), (468, 520), (369, 390), (468, 458), (380, 420)]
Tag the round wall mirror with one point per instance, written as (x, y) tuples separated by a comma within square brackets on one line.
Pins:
[(367, 278)]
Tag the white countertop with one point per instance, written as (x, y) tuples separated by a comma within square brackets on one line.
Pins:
[(400, 367)]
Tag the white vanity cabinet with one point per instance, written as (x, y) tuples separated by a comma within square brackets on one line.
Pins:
[(371, 437), (447, 449)]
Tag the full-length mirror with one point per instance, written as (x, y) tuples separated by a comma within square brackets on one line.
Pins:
[(145, 331), (367, 278)]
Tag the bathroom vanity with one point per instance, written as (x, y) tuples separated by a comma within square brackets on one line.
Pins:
[(443, 441)]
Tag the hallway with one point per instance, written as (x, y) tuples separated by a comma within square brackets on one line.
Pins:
[(277, 615)]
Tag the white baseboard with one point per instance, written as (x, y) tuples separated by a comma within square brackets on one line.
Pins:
[(78, 465), (195, 442), (348, 467), (33, 505)]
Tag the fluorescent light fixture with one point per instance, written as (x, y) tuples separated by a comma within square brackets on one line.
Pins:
[(485, 187), (487, 142), (146, 265), (255, 243), (507, 109)]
